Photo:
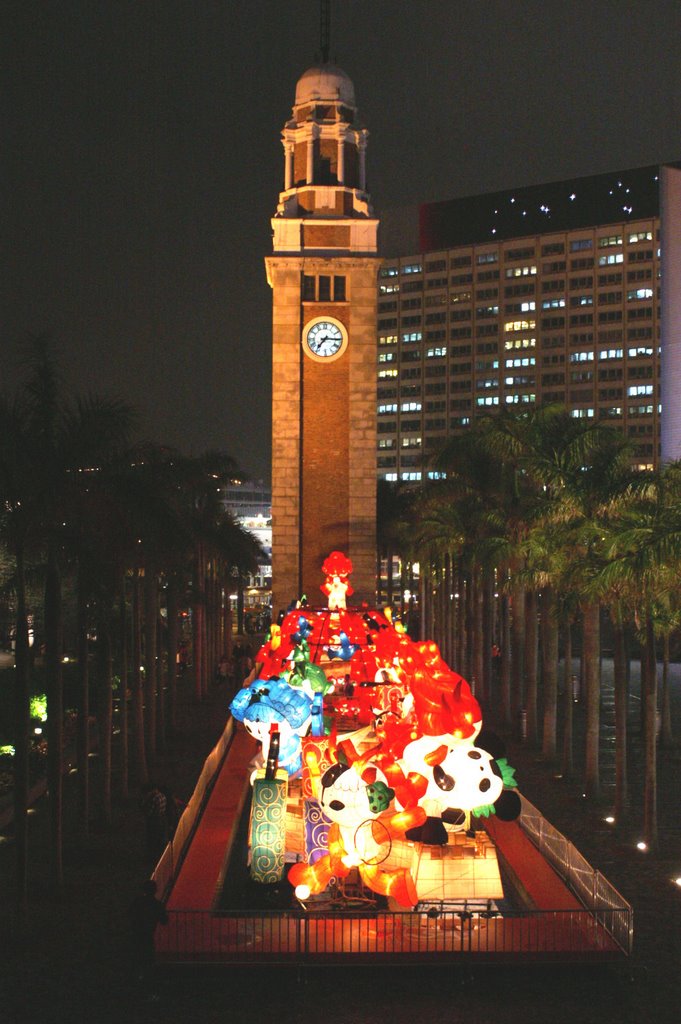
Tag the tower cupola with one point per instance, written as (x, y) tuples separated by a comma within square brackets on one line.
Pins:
[(324, 163)]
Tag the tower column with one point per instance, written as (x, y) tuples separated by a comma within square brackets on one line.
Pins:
[(340, 172), (288, 165), (309, 172), (362, 163)]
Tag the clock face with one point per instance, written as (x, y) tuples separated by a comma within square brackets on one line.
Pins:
[(324, 339)]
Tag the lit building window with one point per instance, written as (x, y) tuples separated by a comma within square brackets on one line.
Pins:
[(641, 410), (611, 353), (609, 240), (581, 357), (553, 304), (383, 374), (639, 293), (526, 271), (487, 400), (410, 407), (641, 350), (582, 414), (640, 236), (523, 361), (611, 258), (640, 389), (520, 325), (412, 268)]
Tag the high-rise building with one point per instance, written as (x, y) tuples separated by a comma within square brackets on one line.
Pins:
[(546, 293)]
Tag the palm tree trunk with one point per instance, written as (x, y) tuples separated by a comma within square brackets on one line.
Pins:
[(650, 739), (137, 684), (173, 612), (161, 687), (487, 632), (505, 667), (531, 665), (470, 626), (592, 685), (460, 660), (105, 708), (198, 610), (21, 740), (150, 651), (55, 709), (439, 625), (568, 704), (424, 598), (83, 707), (123, 736), (517, 603), (549, 650), (621, 707), (478, 630), (667, 737)]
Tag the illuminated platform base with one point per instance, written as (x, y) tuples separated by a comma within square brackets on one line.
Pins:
[(462, 912)]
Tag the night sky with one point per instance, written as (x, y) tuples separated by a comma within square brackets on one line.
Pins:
[(145, 164)]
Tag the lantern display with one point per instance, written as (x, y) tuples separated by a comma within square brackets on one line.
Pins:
[(417, 768)]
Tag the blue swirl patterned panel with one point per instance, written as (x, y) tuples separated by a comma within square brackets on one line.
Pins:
[(268, 828), (316, 830)]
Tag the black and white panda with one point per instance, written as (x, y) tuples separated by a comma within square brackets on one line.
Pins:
[(469, 778)]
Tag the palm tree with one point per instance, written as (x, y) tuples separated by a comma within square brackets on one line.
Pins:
[(72, 440), (17, 521), (643, 549)]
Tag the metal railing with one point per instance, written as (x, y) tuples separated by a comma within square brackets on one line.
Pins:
[(166, 869), (591, 888), (296, 936)]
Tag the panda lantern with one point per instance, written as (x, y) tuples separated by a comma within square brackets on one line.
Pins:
[(355, 798), (467, 777)]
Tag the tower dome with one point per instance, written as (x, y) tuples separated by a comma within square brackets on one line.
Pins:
[(325, 82)]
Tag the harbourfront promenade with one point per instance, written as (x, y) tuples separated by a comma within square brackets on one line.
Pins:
[(72, 957)]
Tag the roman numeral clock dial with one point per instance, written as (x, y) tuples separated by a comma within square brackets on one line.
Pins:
[(324, 339)]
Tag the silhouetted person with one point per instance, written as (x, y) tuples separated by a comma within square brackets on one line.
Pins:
[(145, 913), (153, 804)]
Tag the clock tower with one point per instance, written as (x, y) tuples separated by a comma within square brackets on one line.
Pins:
[(323, 279)]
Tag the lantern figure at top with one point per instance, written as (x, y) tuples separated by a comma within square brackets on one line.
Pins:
[(337, 567)]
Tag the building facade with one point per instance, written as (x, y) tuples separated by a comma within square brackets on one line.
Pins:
[(543, 294), (323, 274)]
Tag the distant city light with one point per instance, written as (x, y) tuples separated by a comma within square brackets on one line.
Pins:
[(610, 820), (642, 846)]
